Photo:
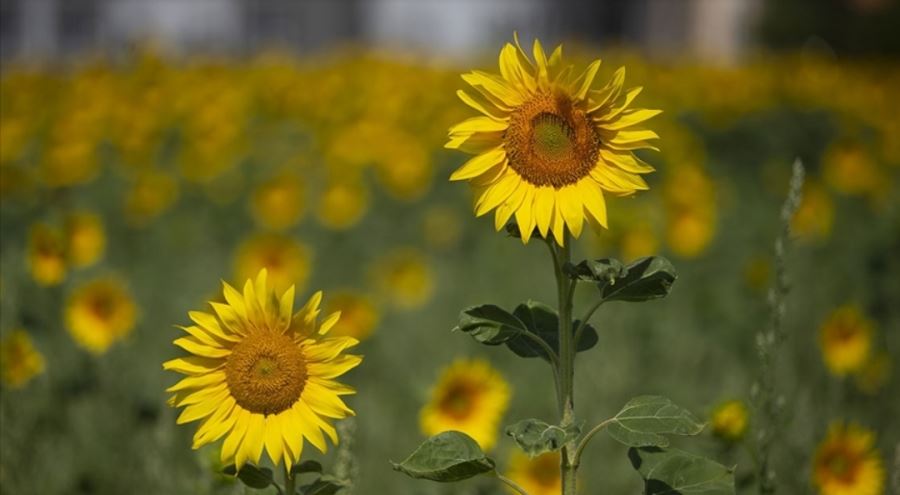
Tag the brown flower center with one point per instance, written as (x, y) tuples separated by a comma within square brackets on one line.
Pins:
[(458, 400), (266, 372), (550, 141)]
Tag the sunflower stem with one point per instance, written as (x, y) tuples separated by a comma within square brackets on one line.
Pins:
[(566, 381), (289, 481)]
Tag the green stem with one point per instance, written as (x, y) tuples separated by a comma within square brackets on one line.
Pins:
[(510, 483), (566, 381), (289, 481), (587, 438)]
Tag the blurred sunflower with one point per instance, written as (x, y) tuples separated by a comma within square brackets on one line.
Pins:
[(19, 360), (99, 313), (729, 420), (403, 275), (815, 214), (850, 169), (287, 261), (846, 339), (471, 397), (47, 254), (342, 204), (359, 315), (547, 146), (262, 376), (85, 238), (278, 203), (847, 463), (442, 227), (151, 193), (537, 476)]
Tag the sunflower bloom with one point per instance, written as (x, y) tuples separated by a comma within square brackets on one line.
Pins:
[(19, 360), (47, 255), (846, 340), (85, 238), (262, 376), (99, 313), (359, 315), (547, 146), (847, 463), (729, 420), (470, 397), (287, 261), (537, 476)]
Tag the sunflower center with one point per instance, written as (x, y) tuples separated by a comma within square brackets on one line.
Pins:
[(266, 372), (457, 401), (550, 141)]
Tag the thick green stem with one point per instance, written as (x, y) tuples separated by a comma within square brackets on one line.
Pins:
[(566, 374), (289, 481)]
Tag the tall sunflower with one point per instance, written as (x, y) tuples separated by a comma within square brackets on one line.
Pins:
[(470, 397), (261, 376), (547, 146), (847, 463)]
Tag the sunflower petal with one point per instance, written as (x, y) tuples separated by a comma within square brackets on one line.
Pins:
[(479, 164)]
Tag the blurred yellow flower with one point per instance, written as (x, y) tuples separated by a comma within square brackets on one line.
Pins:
[(691, 209), (278, 203), (405, 169), (19, 360), (847, 462), (404, 277), (690, 231), (288, 262), (850, 169), (47, 254), (359, 315), (342, 204), (442, 227), (875, 374), (262, 376), (537, 476), (729, 420), (846, 339), (100, 313), (151, 193), (815, 214), (638, 240), (69, 163), (85, 238), (471, 397), (547, 146)]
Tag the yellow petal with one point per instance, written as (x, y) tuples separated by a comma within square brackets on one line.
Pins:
[(479, 164), (196, 347), (327, 349), (498, 193), (495, 89), (587, 79), (612, 114), (478, 142), (543, 208), (193, 365), (274, 440), (478, 124), (201, 409), (618, 181), (199, 381), (334, 368), (508, 207), (309, 426), (540, 61), (609, 93), (252, 446), (329, 322), (571, 209), (625, 160), (293, 435), (286, 308), (525, 213), (488, 110), (629, 118), (592, 197), (558, 226), (324, 402), (233, 440), (234, 299)]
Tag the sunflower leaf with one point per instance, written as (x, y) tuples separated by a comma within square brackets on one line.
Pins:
[(647, 278), (535, 437), (675, 472), (304, 467), (326, 485), (489, 324), (445, 457), (644, 420), (543, 322), (252, 476), (603, 272)]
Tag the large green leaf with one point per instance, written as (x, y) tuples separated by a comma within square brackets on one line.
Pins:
[(542, 321), (326, 485), (536, 437), (252, 476), (603, 272), (644, 420), (489, 324), (645, 279), (675, 472), (448, 456)]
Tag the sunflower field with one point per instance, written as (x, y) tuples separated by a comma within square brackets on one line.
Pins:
[(151, 205)]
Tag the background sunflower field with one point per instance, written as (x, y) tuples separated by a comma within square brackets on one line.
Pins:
[(135, 177)]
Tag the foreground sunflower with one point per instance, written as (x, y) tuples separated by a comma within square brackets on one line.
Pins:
[(470, 397), (261, 376), (548, 146), (847, 463)]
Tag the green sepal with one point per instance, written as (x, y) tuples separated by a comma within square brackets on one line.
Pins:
[(445, 457), (674, 472), (535, 437)]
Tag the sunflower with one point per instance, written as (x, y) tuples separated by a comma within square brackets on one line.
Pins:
[(359, 315), (85, 239), (846, 340), (470, 397), (847, 463), (99, 313), (537, 476), (342, 204), (405, 277), (19, 360), (261, 376), (815, 215), (278, 203), (47, 255), (729, 420), (151, 193), (287, 261), (548, 146)]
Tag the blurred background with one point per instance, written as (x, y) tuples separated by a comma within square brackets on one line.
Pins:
[(151, 148)]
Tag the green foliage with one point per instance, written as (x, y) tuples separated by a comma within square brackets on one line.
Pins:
[(489, 324), (674, 472), (536, 437), (326, 485), (445, 457), (645, 279), (644, 419), (252, 476), (306, 467)]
